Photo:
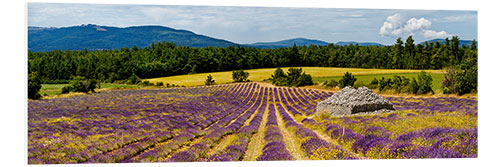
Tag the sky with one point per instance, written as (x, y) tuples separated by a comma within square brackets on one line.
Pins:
[(267, 24)]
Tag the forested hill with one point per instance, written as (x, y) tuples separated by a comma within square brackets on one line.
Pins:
[(95, 37)]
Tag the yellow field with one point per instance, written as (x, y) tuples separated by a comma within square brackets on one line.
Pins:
[(264, 73)]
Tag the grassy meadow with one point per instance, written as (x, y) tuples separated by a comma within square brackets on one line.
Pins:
[(437, 78), (54, 89)]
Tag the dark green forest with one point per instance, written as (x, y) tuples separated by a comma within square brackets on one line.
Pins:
[(166, 59)]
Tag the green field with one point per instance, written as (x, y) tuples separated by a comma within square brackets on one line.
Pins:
[(54, 89), (437, 78), (264, 73)]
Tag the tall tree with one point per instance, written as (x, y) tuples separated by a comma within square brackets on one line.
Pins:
[(397, 54), (410, 50), (455, 42)]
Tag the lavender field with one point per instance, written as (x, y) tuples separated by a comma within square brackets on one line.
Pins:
[(241, 122)]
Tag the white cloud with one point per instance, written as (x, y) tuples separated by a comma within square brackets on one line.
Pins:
[(392, 26), (395, 26), (434, 34), (414, 25)]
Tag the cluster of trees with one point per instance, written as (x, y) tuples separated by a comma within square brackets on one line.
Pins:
[(294, 77), (80, 84), (398, 84), (240, 76), (166, 59)]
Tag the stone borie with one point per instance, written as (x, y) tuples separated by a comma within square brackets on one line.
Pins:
[(350, 101)]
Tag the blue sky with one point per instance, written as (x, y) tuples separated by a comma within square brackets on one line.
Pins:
[(264, 24)]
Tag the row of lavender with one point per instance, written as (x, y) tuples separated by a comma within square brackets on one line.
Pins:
[(116, 125), (160, 151), (197, 151)]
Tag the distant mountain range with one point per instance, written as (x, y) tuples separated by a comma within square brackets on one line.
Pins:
[(342, 43), (287, 43), (96, 37), (442, 41)]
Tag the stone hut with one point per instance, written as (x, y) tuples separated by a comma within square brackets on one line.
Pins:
[(350, 101)]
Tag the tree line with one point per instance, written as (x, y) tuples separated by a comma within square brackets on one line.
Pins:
[(166, 59)]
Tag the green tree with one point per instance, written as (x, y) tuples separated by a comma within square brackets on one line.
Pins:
[(77, 84), (410, 49), (397, 54), (34, 86), (304, 79), (347, 80), (279, 77), (240, 76), (455, 42), (466, 81), (209, 80), (424, 83), (293, 76)]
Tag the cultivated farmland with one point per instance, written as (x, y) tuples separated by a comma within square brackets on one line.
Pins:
[(244, 121), (320, 73)]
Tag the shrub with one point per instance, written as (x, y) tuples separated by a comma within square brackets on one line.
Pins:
[(133, 79), (90, 85), (460, 80), (146, 83), (448, 83), (77, 84), (424, 83), (304, 79), (347, 80), (330, 84), (34, 86), (66, 89), (382, 83), (159, 84), (209, 81), (446, 90), (399, 83), (240, 76), (374, 81), (80, 84)]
